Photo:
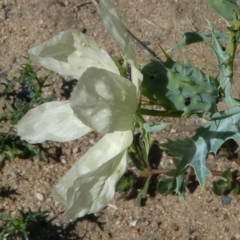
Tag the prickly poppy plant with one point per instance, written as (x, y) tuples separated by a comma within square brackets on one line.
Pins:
[(108, 101)]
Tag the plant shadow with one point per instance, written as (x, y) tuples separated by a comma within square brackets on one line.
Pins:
[(7, 192), (67, 87), (45, 229)]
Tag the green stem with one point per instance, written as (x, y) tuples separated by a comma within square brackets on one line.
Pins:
[(165, 171), (150, 112), (226, 68), (163, 113)]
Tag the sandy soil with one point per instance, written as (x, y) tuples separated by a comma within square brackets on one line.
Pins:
[(156, 23)]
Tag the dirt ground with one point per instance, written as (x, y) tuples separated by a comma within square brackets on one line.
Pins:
[(27, 23)]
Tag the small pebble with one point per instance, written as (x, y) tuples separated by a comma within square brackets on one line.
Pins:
[(37, 168), (173, 130), (134, 223), (237, 236), (13, 214), (4, 70), (63, 161), (75, 150), (226, 200), (86, 143), (13, 174), (13, 60), (40, 196), (66, 3), (19, 15), (68, 152)]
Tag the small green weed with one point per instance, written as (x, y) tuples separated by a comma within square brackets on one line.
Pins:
[(18, 226), (16, 105)]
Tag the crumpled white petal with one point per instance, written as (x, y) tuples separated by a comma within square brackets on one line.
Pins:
[(120, 34), (116, 29), (104, 101), (136, 76), (70, 53), (53, 121), (90, 184)]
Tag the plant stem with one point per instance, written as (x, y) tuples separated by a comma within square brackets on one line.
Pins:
[(163, 113), (150, 112), (164, 171)]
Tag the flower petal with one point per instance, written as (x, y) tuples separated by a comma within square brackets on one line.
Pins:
[(90, 184), (120, 34), (104, 101), (136, 76), (51, 121), (116, 29), (70, 53)]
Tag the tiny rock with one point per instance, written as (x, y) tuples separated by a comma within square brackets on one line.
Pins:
[(63, 161), (134, 223), (75, 150), (173, 130), (40, 196)]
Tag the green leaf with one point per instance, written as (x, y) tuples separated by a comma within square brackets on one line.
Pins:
[(143, 192), (125, 183), (208, 138), (223, 126), (155, 127), (227, 175), (224, 63), (179, 87), (195, 37), (136, 161), (143, 144), (225, 60), (171, 173), (166, 186), (192, 153), (180, 186), (236, 189), (220, 186), (224, 8), (11, 146), (18, 227)]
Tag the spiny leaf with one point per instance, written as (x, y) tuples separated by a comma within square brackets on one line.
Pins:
[(225, 63), (192, 153), (224, 8), (176, 86), (208, 138), (195, 37)]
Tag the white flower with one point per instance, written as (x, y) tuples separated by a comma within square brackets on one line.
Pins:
[(90, 184), (70, 53), (119, 33), (53, 121), (102, 100)]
